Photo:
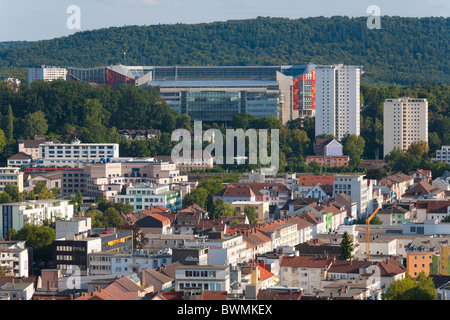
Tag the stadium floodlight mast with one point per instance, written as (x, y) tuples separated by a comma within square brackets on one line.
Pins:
[(257, 151)]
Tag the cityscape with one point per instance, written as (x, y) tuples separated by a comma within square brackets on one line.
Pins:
[(240, 177)]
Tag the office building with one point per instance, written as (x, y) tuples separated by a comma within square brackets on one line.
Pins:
[(108, 178), (405, 121), (337, 100), (48, 73), (78, 150), (11, 176), (144, 196)]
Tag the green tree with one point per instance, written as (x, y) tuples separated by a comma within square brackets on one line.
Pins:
[(199, 196), (9, 125), (2, 140), (40, 238), (354, 147), (112, 218), (5, 198), (346, 246), (220, 208), (35, 124), (13, 192), (250, 212), (408, 288)]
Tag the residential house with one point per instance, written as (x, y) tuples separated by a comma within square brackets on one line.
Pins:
[(20, 160), (304, 272), (261, 209), (350, 205), (156, 279), (399, 183), (276, 193), (420, 252), (155, 224), (394, 215), (422, 190), (309, 181), (421, 175)]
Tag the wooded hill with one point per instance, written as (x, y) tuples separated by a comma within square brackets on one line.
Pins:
[(404, 51)]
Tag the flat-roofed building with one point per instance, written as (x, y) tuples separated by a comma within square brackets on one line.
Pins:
[(11, 176), (405, 122), (34, 212)]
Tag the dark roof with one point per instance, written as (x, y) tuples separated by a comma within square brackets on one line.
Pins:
[(19, 156)]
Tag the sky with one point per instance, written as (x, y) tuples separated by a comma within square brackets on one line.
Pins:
[(31, 20)]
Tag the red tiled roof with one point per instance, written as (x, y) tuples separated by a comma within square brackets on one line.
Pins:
[(306, 262), (312, 180), (433, 206)]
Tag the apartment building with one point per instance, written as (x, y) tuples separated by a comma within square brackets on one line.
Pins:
[(48, 73), (338, 100), (405, 121), (442, 155), (419, 254), (356, 188), (125, 263), (144, 196), (261, 209), (304, 272), (14, 258), (35, 212), (223, 250), (11, 176), (208, 278)]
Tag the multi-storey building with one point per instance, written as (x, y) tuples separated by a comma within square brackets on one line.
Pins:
[(208, 278), (78, 151), (223, 250), (109, 178), (338, 100), (304, 272), (442, 155), (35, 212), (125, 263), (144, 196), (419, 254), (14, 258), (48, 73), (11, 176), (405, 121), (356, 188)]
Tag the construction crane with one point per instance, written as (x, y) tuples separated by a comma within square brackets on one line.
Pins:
[(368, 232)]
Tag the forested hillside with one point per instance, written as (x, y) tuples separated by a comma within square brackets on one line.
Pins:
[(403, 51)]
